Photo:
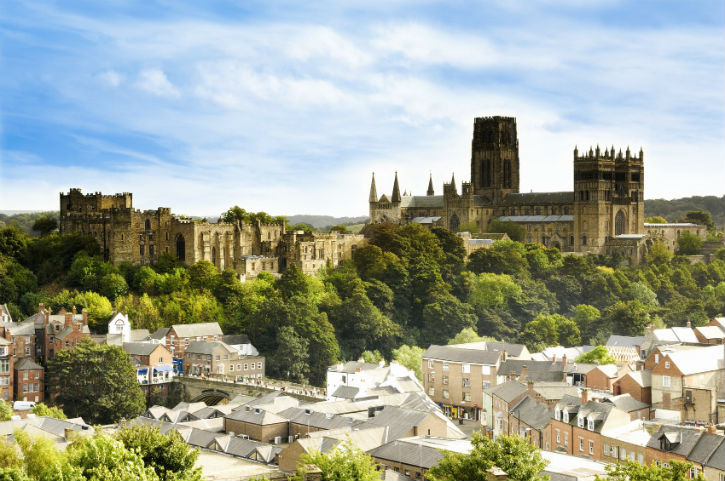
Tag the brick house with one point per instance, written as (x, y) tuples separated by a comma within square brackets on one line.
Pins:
[(637, 410), (257, 424), (59, 331), (22, 335), (220, 359), (153, 363), (710, 334), (502, 399), (670, 443), (455, 377), (602, 377), (689, 381), (178, 337), (7, 361), (29, 381), (532, 420), (637, 384), (565, 412), (625, 443)]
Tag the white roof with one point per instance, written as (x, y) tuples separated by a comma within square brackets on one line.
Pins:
[(676, 334), (579, 468), (694, 361), (676, 224), (711, 332)]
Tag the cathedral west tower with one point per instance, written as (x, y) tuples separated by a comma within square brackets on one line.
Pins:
[(495, 157)]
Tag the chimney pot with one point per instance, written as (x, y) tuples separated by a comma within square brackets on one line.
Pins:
[(688, 324), (585, 396), (68, 319)]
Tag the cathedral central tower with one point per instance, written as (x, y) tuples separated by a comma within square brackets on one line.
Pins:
[(495, 157)]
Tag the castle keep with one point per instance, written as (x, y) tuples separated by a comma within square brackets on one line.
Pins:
[(604, 213), (126, 234)]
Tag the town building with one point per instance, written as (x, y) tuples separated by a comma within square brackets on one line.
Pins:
[(58, 332), (216, 358), (7, 361), (355, 379), (178, 337), (29, 380), (153, 363)]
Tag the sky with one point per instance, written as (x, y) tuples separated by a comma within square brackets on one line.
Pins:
[(288, 107)]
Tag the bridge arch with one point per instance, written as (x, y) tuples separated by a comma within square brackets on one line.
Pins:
[(212, 397)]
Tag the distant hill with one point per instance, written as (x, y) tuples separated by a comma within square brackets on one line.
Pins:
[(24, 219), (675, 209), (320, 221)]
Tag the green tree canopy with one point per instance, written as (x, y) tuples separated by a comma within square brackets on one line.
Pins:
[(511, 453), (515, 231), (410, 357), (598, 355), (344, 462), (688, 243), (96, 382), (656, 219), (632, 471), (469, 334), (42, 409), (45, 225)]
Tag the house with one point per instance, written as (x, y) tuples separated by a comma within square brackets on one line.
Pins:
[(412, 457), (710, 334), (217, 358), (455, 377), (550, 393), (502, 399), (688, 382), (714, 467), (22, 335), (5, 316), (552, 353), (637, 384), (551, 371), (303, 421), (257, 424), (7, 361), (670, 443), (703, 451), (565, 412), (531, 420), (153, 363), (29, 384), (57, 332), (119, 331), (625, 443), (178, 337), (637, 410), (355, 379), (602, 377), (625, 349)]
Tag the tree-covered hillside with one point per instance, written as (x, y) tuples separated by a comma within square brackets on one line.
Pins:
[(676, 209)]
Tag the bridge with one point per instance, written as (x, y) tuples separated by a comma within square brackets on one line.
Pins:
[(218, 391)]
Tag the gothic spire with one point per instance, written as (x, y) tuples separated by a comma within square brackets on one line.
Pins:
[(453, 183), (396, 189), (373, 191), (430, 186)]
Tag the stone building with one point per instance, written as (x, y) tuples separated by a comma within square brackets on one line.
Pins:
[(126, 234), (603, 214)]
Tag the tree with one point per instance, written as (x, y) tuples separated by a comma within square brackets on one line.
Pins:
[(372, 357), (45, 225), (203, 275), (42, 409), (469, 334), (344, 462), (410, 357), (701, 217), (6, 411), (513, 454), (632, 471), (688, 243), (444, 315), (113, 285), (658, 253), (656, 219), (598, 355), (339, 228), (103, 458), (515, 231), (96, 382), (585, 317), (640, 292), (169, 456), (292, 356)]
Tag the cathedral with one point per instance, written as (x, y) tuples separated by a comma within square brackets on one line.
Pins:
[(602, 214)]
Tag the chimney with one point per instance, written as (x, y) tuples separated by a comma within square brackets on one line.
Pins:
[(74, 310), (530, 385), (712, 429), (68, 433), (585, 396), (553, 358), (84, 313), (688, 324), (563, 362), (650, 329), (524, 372), (41, 307), (68, 319), (505, 355)]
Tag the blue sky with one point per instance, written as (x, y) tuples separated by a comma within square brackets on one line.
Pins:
[(288, 108)]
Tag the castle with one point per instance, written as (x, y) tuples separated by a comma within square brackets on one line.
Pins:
[(602, 215), (130, 235)]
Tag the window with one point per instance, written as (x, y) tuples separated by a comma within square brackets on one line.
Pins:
[(431, 364), (565, 416), (557, 416), (431, 391), (25, 375), (445, 394), (640, 460), (259, 365), (591, 447), (558, 437), (466, 368), (140, 250), (486, 370), (590, 424), (615, 451), (239, 367), (665, 381), (151, 250), (245, 366), (566, 439), (605, 449), (231, 368), (667, 364), (466, 382), (27, 351), (580, 421), (467, 396), (226, 357), (581, 444), (217, 357), (445, 380), (657, 358), (445, 366)]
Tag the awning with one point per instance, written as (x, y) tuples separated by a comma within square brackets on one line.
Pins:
[(142, 371), (163, 368)]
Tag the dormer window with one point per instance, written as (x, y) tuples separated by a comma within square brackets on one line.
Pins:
[(590, 424), (557, 414), (565, 416), (580, 421)]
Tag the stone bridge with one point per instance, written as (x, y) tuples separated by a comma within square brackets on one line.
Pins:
[(217, 391)]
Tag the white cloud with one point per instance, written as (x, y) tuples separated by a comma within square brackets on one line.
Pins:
[(111, 78), (155, 82)]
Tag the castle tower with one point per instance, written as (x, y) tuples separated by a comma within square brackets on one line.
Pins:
[(608, 196), (495, 157)]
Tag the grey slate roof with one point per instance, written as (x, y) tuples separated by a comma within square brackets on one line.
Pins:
[(160, 333), (26, 364), (533, 198), (624, 341), (352, 367), (508, 391), (525, 219), (139, 348), (233, 339), (204, 347), (314, 419), (717, 459), (705, 447), (684, 439), (412, 454), (67, 330), (256, 416), (400, 421), (455, 354), (421, 201), (346, 392), (532, 413), (599, 411)]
